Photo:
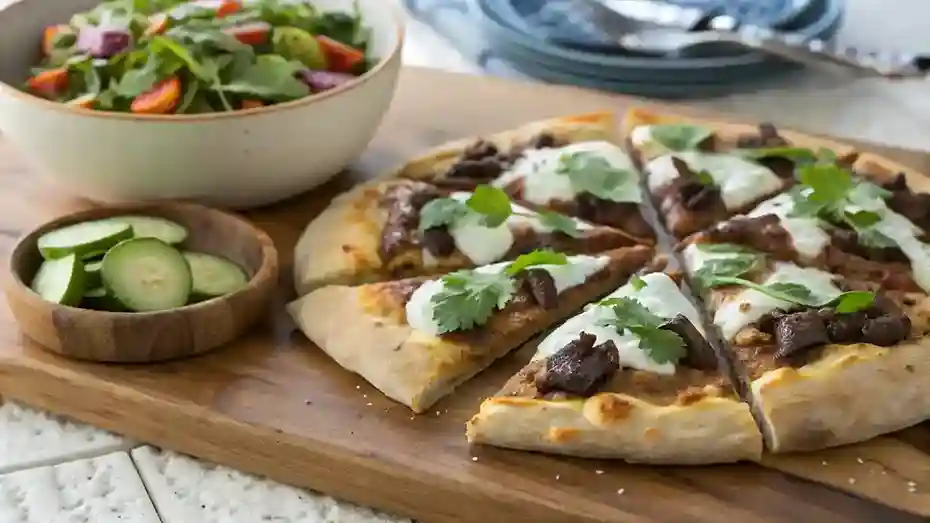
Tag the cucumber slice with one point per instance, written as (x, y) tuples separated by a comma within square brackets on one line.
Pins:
[(83, 239), (61, 280), (146, 274), (214, 276), (154, 227), (92, 270), (98, 299)]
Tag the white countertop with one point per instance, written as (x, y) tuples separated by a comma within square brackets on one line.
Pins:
[(45, 462)]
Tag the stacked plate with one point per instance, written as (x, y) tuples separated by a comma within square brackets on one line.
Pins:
[(552, 41)]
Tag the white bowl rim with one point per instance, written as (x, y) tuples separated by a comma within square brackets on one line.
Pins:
[(399, 23)]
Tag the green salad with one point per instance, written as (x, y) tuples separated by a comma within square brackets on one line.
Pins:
[(170, 57)]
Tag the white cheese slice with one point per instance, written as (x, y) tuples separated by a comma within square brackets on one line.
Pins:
[(740, 181), (748, 305), (419, 307), (642, 140), (660, 295), (807, 235), (483, 245), (543, 183)]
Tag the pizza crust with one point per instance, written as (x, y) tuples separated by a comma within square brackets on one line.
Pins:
[(612, 425), (880, 170), (432, 164)]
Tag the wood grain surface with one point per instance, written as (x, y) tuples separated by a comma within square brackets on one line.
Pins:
[(143, 337), (273, 404)]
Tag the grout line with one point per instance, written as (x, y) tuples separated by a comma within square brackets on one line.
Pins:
[(68, 458), (145, 486)]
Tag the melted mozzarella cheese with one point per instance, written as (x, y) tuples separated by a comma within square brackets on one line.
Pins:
[(543, 183), (642, 140), (419, 307), (807, 235), (740, 181), (660, 295), (482, 244), (695, 257), (747, 305)]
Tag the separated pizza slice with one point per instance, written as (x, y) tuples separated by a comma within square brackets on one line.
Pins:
[(824, 360), (632, 377), (397, 228), (699, 172), (573, 165), (417, 339), (866, 224)]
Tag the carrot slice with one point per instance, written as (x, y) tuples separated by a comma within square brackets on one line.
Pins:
[(256, 33), (86, 101), (340, 58), (227, 8), (48, 37), (158, 24), (49, 83), (252, 104), (162, 99)]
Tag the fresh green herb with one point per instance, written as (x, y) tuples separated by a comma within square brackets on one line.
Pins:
[(441, 212), (725, 248), (559, 222), (469, 298), (845, 303), (492, 203), (593, 174), (853, 301), (637, 283), (679, 137), (532, 259), (704, 177), (629, 314), (797, 155), (732, 261)]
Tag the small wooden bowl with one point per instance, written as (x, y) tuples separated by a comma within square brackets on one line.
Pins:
[(142, 337)]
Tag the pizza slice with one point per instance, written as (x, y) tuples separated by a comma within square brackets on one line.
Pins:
[(824, 360), (699, 172), (632, 377), (417, 339), (573, 165), (398, 228), (865, 223)]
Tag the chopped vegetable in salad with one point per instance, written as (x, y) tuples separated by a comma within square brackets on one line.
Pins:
[(171, 57)]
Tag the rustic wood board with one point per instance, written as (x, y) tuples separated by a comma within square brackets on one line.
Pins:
[(273, 404)]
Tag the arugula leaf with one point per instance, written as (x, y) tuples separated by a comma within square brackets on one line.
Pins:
[(137, 81), (166, 47), (593, 174), (637, 283), (662, 345), (559, 222), (270, 77), (441, 212), (468, 299), (532, 259), (492, 203), (679, 137)]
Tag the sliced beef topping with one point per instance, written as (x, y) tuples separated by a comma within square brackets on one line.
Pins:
[(479, 170), (438, 241), (799, 331), (484, 161), (914, 206), (848, 241), (540, 285), (767, 137), (623, 215), (762, 233), (888, 275), (695, 195), (480, 150), (700, 353), (580, 368), (400, 229)]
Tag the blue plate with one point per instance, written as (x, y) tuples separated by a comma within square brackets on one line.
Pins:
[(556, 22), (722, 69)]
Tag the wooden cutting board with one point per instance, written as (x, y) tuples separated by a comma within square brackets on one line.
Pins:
[(273, 404)]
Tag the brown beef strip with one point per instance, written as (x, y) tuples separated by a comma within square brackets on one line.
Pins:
[(482, 161), (400, 232), (914, 206)]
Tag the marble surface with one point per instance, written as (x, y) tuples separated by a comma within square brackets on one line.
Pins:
[(56, 471)]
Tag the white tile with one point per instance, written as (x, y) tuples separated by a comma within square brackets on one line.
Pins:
[(186, 490), (105, 489), (31, 438)]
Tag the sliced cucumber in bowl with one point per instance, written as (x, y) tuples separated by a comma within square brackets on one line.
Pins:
[(146, 274), (214, 276), (85, 240), (154, 227), (61, 280)]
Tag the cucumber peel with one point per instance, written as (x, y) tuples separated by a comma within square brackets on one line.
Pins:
[(146, 274), (61, 280), (154, 227), (83, 239)]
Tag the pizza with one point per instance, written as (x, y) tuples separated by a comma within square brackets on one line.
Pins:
[(699, 172), (394, 228), (416, 339), (573, 165), (631, 377), (823, 359)]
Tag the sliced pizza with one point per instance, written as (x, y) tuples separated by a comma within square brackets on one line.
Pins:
[(823, 360), (417, 339), (865, 223), (699, 172), (397, 228), (632, 377), (573, 165)]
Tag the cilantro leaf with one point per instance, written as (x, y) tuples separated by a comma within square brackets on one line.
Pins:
[(798, 292), (733, 266), (468, 299), (629, 311), (798, 155), (537, 257), (492, 203), (861, 219), (853, 301), (845, 303), (593, 174), (662, 346), (441, 212), (725, 248), (679, 137), (827, 183), (559, 222), (704, 177), (637, 283)]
